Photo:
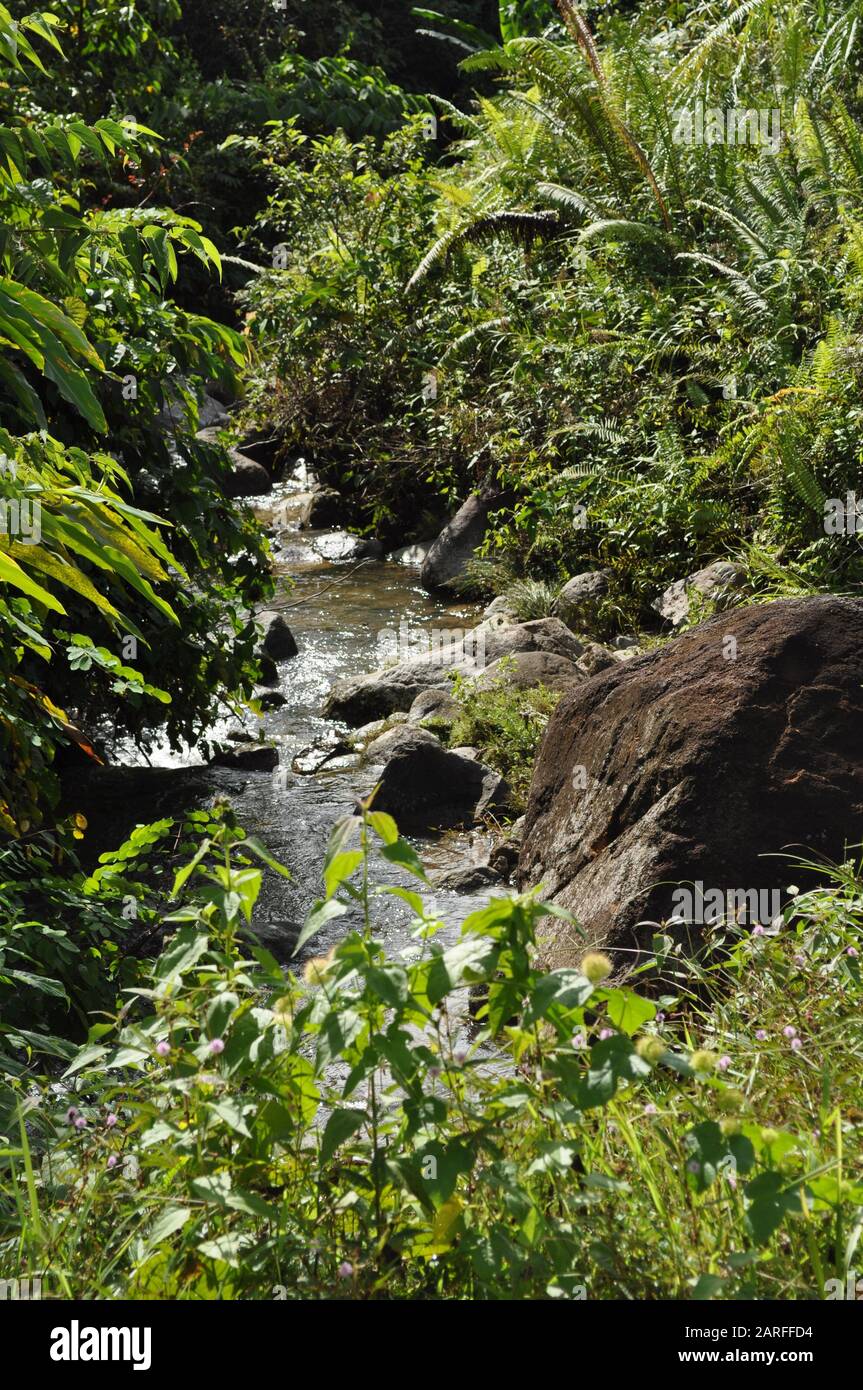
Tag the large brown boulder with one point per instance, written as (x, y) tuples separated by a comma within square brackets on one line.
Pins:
[(738, 740)]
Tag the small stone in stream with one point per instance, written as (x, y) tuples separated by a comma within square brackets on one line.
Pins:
[(323, 508), (278, 641), (471, 879), (341, 545), (269, 669), (269, 699), (410, 554), (319, 752), (254, 757), (240, 736)]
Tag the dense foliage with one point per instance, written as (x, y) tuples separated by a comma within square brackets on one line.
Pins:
[(608, 263), (239, 1133)]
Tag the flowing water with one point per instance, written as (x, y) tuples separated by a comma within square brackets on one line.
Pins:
[(337, 610)]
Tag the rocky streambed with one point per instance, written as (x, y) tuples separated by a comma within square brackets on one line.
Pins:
[(288, 774)]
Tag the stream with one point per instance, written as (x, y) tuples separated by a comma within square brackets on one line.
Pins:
[(337, 609)]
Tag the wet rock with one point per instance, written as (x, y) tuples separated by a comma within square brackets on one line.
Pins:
[(437, 706), (410, 554), (425, 785), (251, 757), (716, 584), (341, 545), (524, 670), (471, 879), (323, 508), (278, 642), (388, 689), (699, 762), (318, 753), (458, 542), (579, 600), (269, 669), (270, 699)]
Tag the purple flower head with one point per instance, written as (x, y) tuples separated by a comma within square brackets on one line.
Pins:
[(605, 1033), (800, 959), (113, 1161), (80, 1122), (724, 1063), (761, 1034), (852, 952), (217, 1045), (163, 1048), (758, 931), (789, 1031), (651, 1109), (796, 1045), (345, 1270), (110, 1120), (459, 1056), (71, 1114), (578, 1040)]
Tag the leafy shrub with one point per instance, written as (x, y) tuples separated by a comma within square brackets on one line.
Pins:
[(242, 1133)]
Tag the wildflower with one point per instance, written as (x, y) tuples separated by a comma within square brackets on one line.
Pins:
[(789, 1030), (163, 1048), (605, 1033), (71, 1115), (217, 1045), (730, 1099), (80, 1122), (758, 931), (578, 1040), (852, 952), (110, 1120), (729, 1125), (433, 1073), (769, 1135), (459, 1056), (796, 1045), (761, 1034), (651, 1109), (800, 959), (596, 967), (113, 1161), (345, 1270), (724, 1063), (693, 1166)]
